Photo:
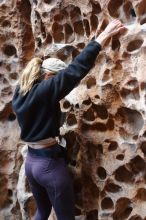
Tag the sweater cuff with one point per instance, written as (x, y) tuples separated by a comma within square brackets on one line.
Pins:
[(98, 44)]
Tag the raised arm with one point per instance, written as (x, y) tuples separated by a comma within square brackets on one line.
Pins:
[(59, 86)]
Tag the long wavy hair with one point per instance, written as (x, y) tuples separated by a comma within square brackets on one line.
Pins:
[(30, 74)]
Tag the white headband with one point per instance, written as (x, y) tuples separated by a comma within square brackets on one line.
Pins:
[(53, 64)]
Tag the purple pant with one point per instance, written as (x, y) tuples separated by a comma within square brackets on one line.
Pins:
[(51, 185)]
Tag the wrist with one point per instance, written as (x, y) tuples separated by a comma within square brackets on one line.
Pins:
[(101, 39)]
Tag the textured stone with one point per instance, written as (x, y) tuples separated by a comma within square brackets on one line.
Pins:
[(105, 126)]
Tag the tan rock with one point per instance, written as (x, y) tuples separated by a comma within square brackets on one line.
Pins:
[(105, 127)]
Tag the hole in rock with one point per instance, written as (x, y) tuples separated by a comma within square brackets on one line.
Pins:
[(91, 82), (123, 175), (115, 43), (6, 91), (92, 215), (144, 134), (11, 117), (81, 45), (120, 157), (68, 33), (1, 77), (75, 53), (78, 192), (132, 12), (143, 21), (5, 81), (110, 124), (96, 8), (94, 127), (25, 11), (75, 13), (57, 32), (44, 14), (77, 106), (27, 186), (101, 172), (66, 104), (104, 24), (78, 27), (143, 86), (91, 151), (131, 120), (126, 55), (71, 119), (100, 110), (39, 41), (118, 65), (4, 114), (93, 22), (96, 97), (135, 137), (90, 186), (100, 148), (73, 147), (48, 39), (10, 192), (128, 9), (142, 7), (112, 187), (106, 75), (48, 1), (113, 146), (59, 38), (89, 115), (113, 7), (9, 50), (137, 164), (35, 2), (123, 209), (107, 203), (59, 17), (133, 83), (43, 30), (134, 45), (126, 213), (143, 147), (87, 101), (71, 140), (141, 194), (99, 127), (56, 28), (87, 27), (30, 206), (130, 94), (5, 198), (13, 76), (135, 217), (6, 24)]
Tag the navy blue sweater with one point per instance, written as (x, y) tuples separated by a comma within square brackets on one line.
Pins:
[(38, 112)]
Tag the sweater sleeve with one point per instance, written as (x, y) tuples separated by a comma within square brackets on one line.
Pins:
[(60, 85)]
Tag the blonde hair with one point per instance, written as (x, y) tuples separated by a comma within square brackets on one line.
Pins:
[(29, 75)]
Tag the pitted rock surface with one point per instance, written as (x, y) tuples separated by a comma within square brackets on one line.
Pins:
[(105, 124)]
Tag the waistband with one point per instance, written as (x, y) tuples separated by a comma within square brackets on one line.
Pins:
[(54, 151), (42, 143)]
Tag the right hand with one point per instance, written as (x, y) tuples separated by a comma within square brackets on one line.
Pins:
[(114, 27)]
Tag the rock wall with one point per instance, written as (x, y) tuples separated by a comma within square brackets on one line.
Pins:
[(105, 126)]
